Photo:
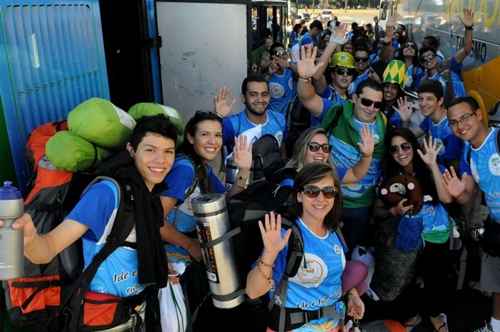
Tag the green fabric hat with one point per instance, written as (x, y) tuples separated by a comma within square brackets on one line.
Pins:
[(395, 72)]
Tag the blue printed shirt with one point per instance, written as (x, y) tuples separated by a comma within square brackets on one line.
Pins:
[(118, 274), (485, 169), (442, 133), (283, 90), (238, 124), (318, 282)]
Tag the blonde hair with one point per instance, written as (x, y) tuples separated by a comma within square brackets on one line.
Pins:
[(301, 146)]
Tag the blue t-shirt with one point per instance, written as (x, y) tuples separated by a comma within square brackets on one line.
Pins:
[(283, 90), (357, 81), (455, 78), (346, 156), (238, 124), (178, 182), (414, 75), (97, 210), (442, 133), (318, 282), (333, 99), (485, 169)]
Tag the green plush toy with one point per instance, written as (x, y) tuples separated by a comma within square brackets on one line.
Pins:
[(147, 109), (72, 153), (102, 123)]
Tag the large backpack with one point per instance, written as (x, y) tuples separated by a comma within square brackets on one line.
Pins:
[(39, 297), (298, 119)]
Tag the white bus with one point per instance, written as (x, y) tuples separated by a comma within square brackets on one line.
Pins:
[(441, 19)]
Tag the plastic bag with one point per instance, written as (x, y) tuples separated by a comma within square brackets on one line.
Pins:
[(173, 308)]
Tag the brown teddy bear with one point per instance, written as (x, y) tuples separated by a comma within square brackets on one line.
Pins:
[(403, 186)]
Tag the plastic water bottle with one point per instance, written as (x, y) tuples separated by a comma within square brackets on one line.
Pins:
[(11, 240)]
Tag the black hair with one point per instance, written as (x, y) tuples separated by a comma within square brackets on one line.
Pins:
[(431, 86), (314, 172), (296, 28), (391, 168), (369, 83), (316, 24), (251, 78), (473, 104), (188, 149), (432, 42), (156, 124), (427, 49)]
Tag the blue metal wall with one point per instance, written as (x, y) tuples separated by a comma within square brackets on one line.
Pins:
[(51, 59)]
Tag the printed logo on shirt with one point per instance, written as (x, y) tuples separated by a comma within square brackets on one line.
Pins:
[(276, 89), (337, 249), (440, 145), (314, 272), (494, 164)]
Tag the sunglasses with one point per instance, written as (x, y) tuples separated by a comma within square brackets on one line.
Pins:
[(344, 71), (360, 59), (410, 45), (314, 147), (313, 191), (280, 53), (403, 147), (368, 102)]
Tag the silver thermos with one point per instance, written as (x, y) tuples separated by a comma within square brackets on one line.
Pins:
[(11, 240), (212, 223)]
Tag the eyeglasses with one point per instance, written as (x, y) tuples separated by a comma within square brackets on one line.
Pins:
[(314, 147), (412, 45), (313, 191), (403, 147), (358, 59), (344, 71), (368, 102), (461, 120)]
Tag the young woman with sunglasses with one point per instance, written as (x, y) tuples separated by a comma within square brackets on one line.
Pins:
[(314, 296), (191, 176), (312, 146), (406, 158), (414, 71)]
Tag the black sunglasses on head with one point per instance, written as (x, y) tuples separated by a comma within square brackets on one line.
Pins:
[(368, 102)]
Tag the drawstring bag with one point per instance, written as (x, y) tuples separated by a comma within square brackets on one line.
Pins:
[(409, 237), (173, 308)]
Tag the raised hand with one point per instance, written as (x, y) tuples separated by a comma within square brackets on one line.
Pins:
[(306, 66), (431, 149), (453, 183), (271, 234), (338, 34), (242, 153), (224, 102), (468, 19), (367, 144), (405, 110)]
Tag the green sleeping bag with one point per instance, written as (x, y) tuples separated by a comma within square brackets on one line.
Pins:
[(72, 153), (147, 109), (102, 123)]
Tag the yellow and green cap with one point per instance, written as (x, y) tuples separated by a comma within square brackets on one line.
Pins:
[(395, 72), (342, 59)]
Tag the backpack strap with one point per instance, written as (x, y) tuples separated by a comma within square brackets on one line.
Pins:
[(122, 226), (295, 256)]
